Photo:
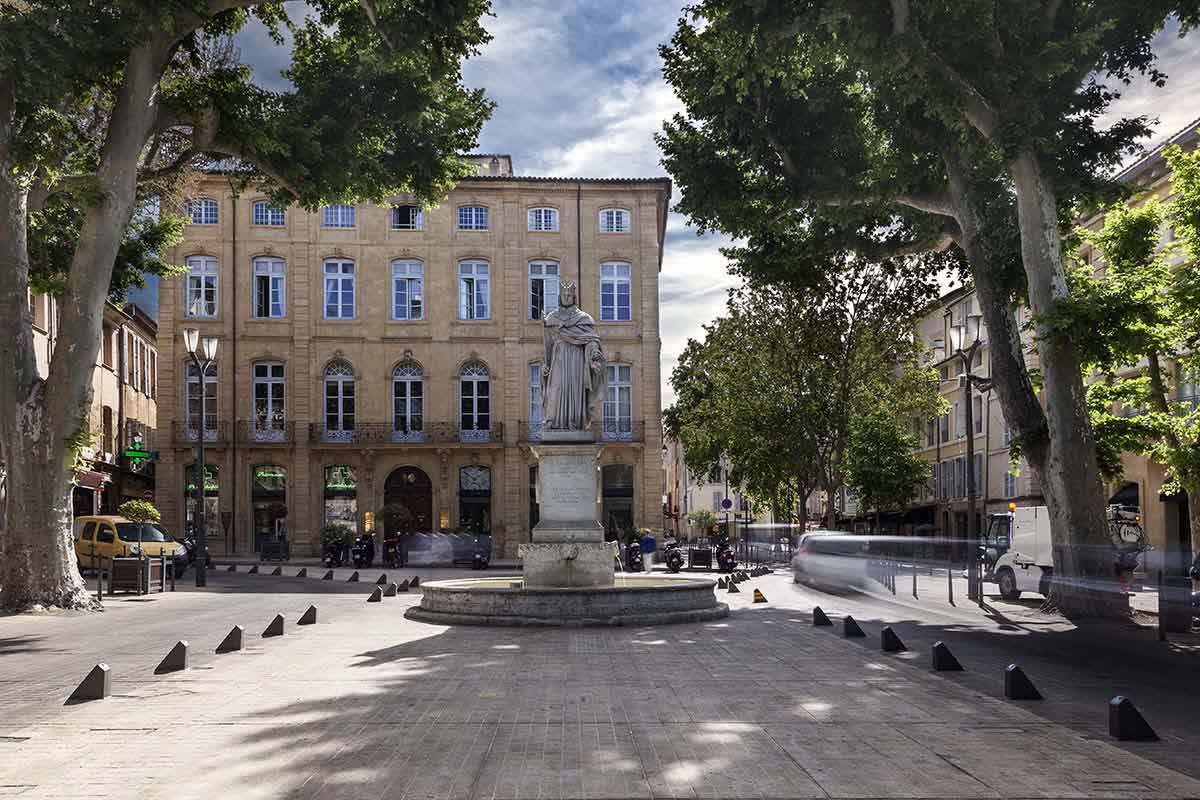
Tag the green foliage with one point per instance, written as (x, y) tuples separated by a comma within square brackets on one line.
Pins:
[(703, 519), (375, 106), (333, 533), (1139, 308), (139, 511), (880, 464), (775, 384)]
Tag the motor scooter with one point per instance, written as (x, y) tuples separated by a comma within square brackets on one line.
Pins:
[(633, 557), (362, 552), (672, 554)]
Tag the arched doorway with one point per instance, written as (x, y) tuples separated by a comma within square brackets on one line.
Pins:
[(407, 502), (616, 490)]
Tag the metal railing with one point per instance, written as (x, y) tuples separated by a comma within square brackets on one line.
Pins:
[(275, 432), (384, 433), (215, 433), (604, 431)]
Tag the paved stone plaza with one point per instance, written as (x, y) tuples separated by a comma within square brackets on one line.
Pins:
[(367, 704)]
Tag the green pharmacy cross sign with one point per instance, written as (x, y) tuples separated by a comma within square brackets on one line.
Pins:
[(137, 456)]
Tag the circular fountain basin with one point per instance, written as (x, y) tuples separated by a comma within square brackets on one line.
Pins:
[(632, 600)]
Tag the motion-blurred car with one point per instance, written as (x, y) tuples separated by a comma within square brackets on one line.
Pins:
[(832, 560), (100, 539)]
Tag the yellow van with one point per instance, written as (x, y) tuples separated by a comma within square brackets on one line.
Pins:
[(100, 539)]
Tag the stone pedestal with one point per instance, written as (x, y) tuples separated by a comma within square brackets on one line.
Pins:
[(568, 547)]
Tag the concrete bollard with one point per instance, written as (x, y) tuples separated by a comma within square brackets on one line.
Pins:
[(759, 597), (277, 571), (820, 619), (733, 589), (391, 590), (720, 583), (889, 642), (231, 568), (232, 640), (403, 587), (851, 629), (1126, 723), (944, 660), (303, 573), (416, 582), (353, 578), (96, 686), (382, 580), (328, 576), (175, 660), (275, 628), (309, 617), (376, 595), (253, 570), (1017, 685)]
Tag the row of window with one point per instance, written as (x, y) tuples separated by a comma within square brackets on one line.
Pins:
[(408, 400), (408, 277), (937, 431), (206, 211)]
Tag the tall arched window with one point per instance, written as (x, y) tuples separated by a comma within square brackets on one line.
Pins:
[(339, 401), (618, 403), (201, 288), (269, 274), (475, 403), (543, 288), (408, 403), (195, 418), (268, 402)]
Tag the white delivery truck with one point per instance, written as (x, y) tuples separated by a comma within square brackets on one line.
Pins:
[(1026, 559), (1029, 561)]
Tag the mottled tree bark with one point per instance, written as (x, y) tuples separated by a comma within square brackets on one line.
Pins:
[(1070, 476)]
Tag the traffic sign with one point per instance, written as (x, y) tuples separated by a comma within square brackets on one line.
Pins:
[(726, 504)]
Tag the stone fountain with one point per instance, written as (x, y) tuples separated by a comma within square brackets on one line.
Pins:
[(568, 575)]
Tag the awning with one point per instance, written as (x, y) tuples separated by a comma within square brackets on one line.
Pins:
[(89, 479)]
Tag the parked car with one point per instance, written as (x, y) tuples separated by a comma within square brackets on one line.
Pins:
[(100, 539)]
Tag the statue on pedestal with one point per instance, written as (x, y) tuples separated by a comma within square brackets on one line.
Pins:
[(574, 374)]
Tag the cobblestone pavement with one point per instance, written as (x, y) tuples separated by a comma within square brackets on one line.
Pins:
[(367, 704)]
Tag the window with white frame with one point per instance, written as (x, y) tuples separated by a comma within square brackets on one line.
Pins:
[(268, 400), (960, 420), (192, 413), (339, 400), (267, 214), (618, 402), (615, 289), (269, 276), (472, 218), (339, 216), (339, 289), (614, 220), (408, 402), (201, 286), (543, 288), (543, 219), (977, 412), (978, 475), (408, 295), (475, 407), (408, 218), (201, 211), (473, 291), (536, 411), (1188, 382), (1010, 483)]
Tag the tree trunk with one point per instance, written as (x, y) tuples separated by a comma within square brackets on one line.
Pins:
[(1070, 475), (1193, 496), (42, 423)]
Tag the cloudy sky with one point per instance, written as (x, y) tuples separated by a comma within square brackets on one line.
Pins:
[(579, 92)]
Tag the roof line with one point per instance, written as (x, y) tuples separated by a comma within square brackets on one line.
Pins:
[(1189, 131)]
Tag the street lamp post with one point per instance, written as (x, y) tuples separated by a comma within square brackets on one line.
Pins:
[(203, 353), (964, 350)]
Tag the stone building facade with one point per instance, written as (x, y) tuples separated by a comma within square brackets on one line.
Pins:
[(124, 409), (377, 365)]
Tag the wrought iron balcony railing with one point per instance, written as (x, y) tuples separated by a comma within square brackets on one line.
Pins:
[(384, 433), (216, 432), (609, 430), (270, 432)]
